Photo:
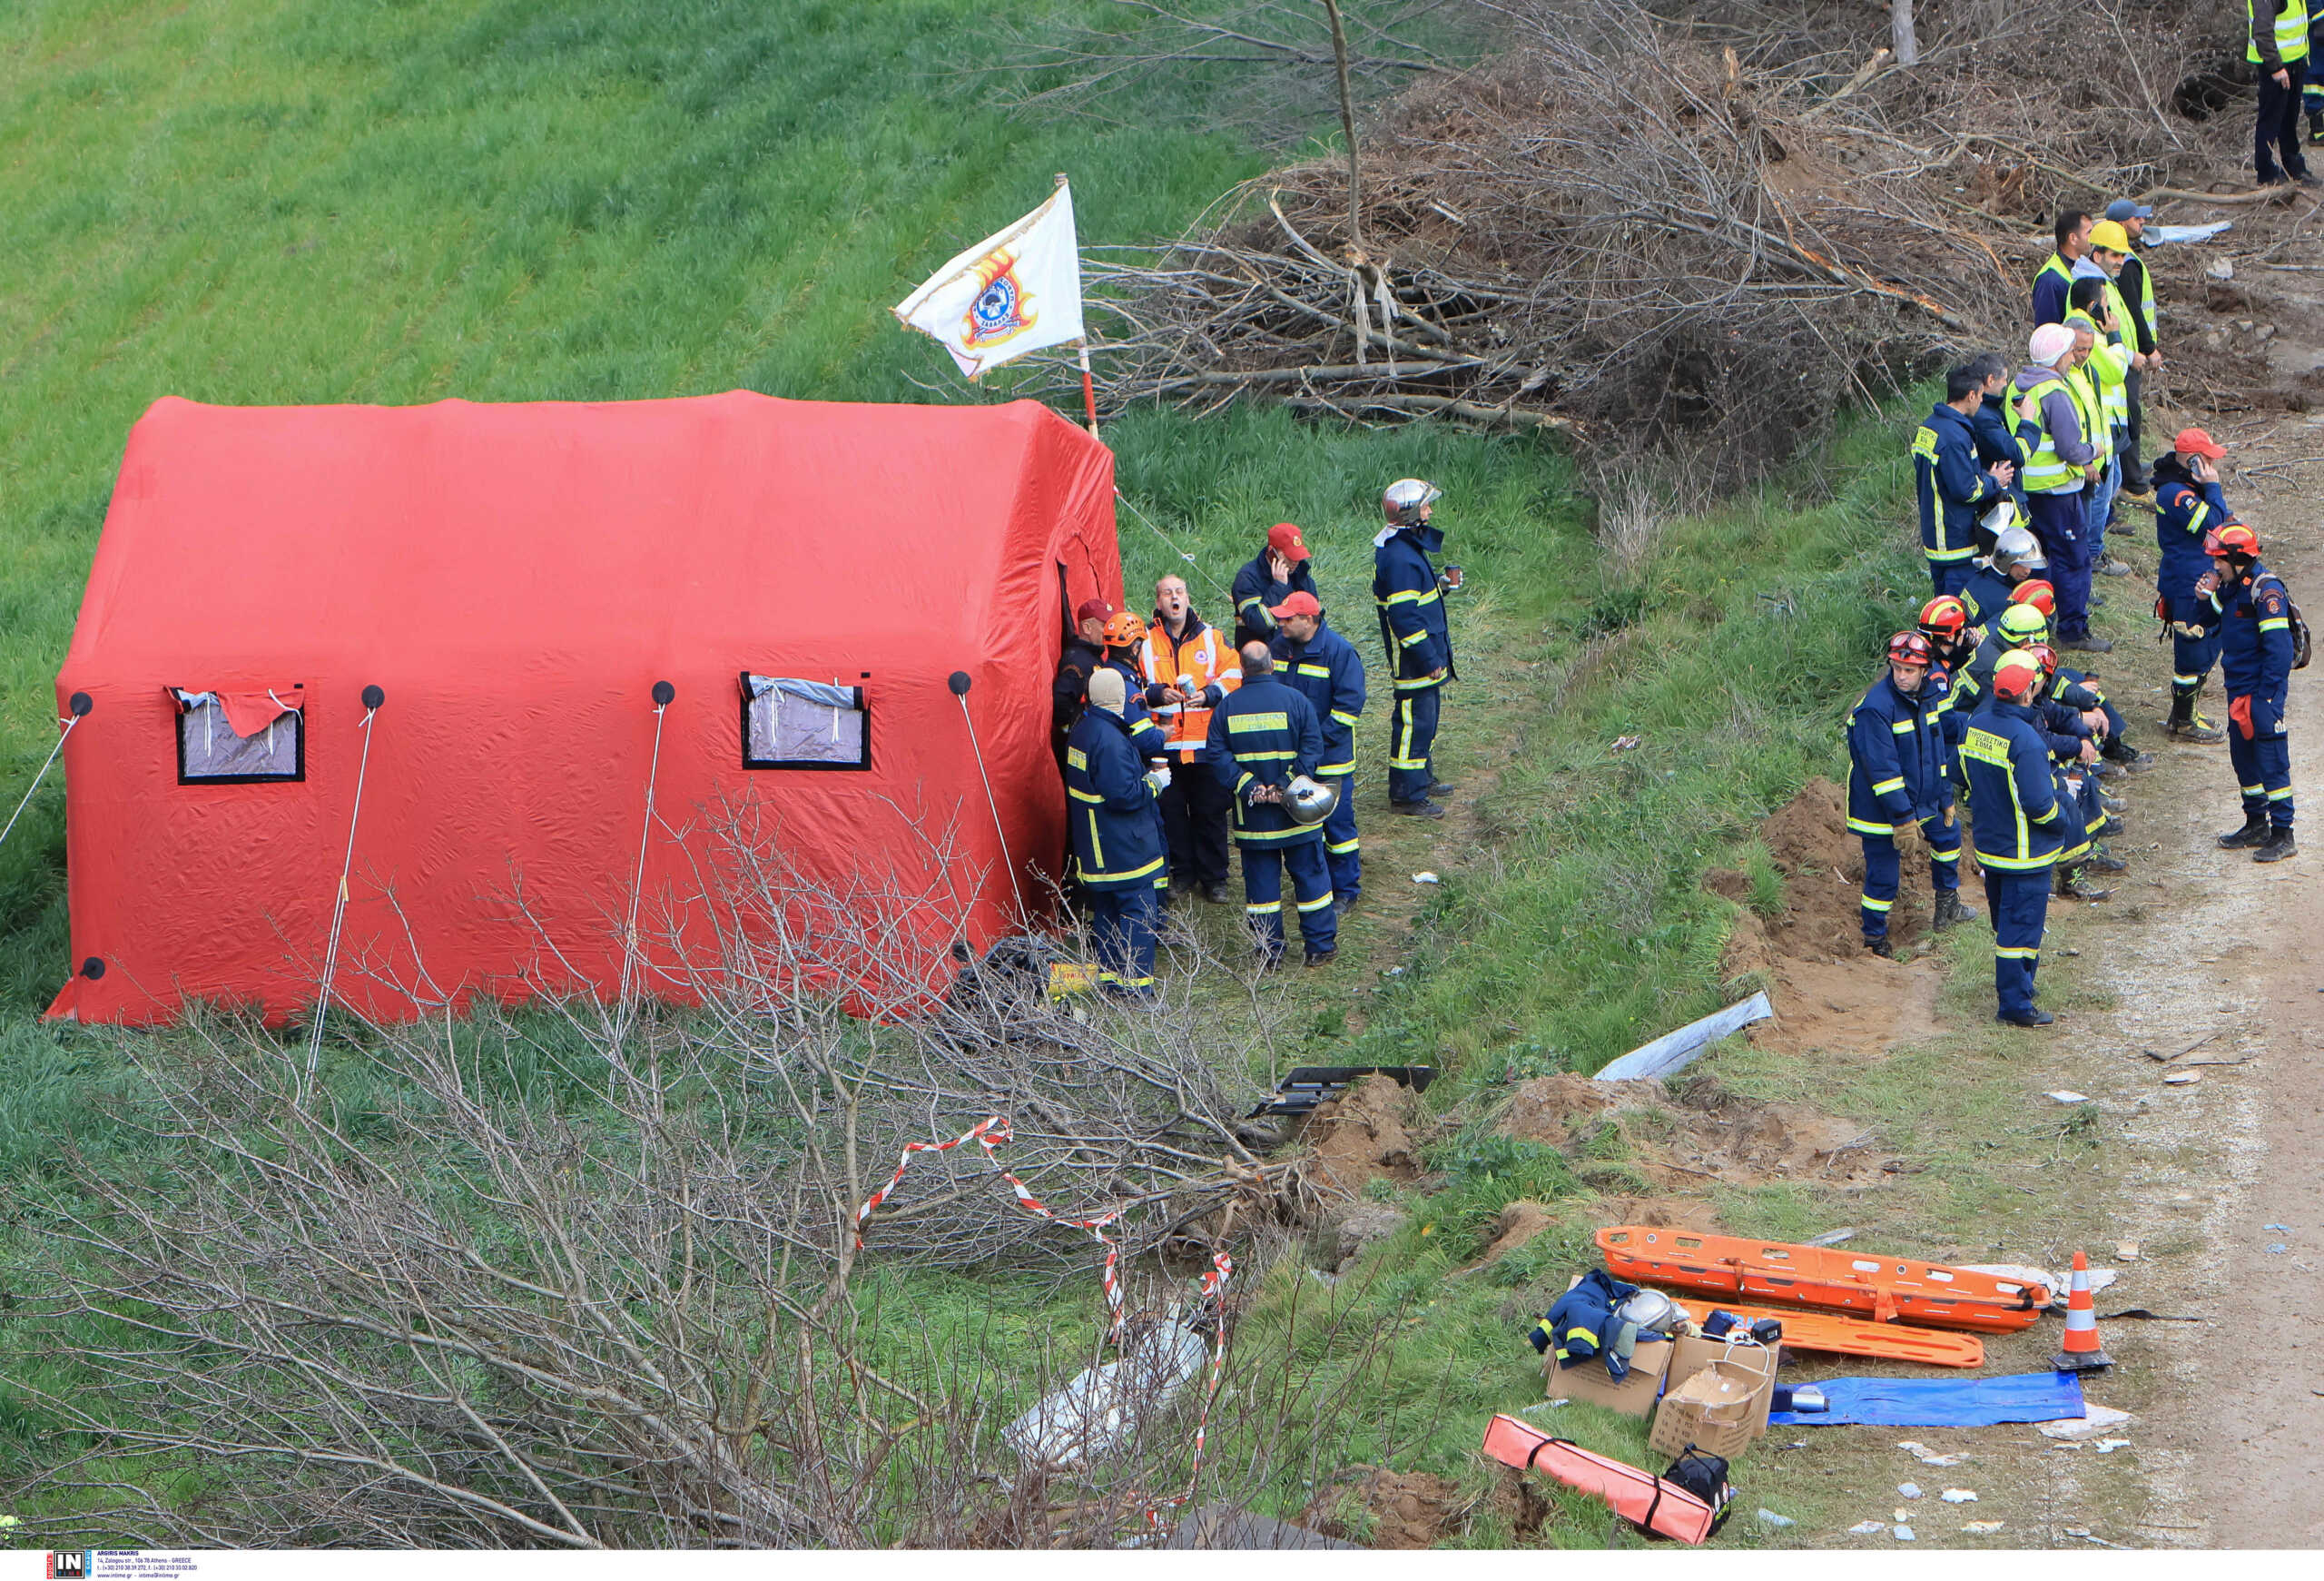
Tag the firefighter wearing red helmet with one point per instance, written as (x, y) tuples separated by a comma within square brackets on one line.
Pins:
[(1944, 622), (1897, 778), (2254, 615), (2016, 828)]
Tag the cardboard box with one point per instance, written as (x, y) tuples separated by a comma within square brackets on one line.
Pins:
[(1712, 1411), (1633, 1397), (1749, 1363)]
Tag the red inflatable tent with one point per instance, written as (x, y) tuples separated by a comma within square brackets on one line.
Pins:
[(519, 581)]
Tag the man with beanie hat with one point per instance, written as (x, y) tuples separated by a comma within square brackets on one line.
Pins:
[(1117, 840), (2060, 463)]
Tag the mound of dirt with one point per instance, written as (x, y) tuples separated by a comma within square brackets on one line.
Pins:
[(1360, 1135), (1705, 1131), (1746, 1143), (1544, 1107), (1520, 1222), (1827, 991), (1401, 1509)]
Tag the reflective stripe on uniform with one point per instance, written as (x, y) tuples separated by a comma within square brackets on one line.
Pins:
[(1318, 904)]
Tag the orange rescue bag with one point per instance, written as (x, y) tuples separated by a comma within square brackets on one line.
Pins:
[(1640, 1498)]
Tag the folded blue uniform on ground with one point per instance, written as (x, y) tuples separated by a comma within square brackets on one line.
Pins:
[(1942, 1402)]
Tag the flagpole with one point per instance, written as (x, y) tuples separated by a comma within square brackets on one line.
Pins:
[(1088, 389)]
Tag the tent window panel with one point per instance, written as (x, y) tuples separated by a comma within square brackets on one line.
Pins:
[(796, 723), (210, 751)]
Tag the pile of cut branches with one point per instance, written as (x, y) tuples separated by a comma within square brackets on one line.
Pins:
[(1709, 228)]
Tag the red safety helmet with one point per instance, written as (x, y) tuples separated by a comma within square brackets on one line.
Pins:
[(2231, 539), (1945, 617), (1910, 648), (2043, 654), (2017, 676), (2034, 590), (1125, 629)]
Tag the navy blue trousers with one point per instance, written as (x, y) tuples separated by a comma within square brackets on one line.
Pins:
[(2019, 904), (1121, 922), (1949, 577), (1411, 737), (1883, 870), (2061, 524), (2191, 657), (1311, 886), (2263, 771), (1341, 848)]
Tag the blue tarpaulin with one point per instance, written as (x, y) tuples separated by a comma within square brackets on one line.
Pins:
[(1942, 1402)]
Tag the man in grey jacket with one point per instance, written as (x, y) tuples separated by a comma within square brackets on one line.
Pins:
[(2060, 465)]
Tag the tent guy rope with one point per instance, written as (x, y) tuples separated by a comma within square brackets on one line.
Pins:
[(959, 686), (664, 695), (372, 698), (80, 711), (1175, 549)]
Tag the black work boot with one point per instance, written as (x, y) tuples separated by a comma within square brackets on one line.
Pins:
[(2186, 725), (2071, 885), (2127, 756), (2278, 846), (2104, 861), (2253, 834), (1949, 912), (1880, 946)]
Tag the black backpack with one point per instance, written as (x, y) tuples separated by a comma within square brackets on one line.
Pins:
[(1705, 1477)]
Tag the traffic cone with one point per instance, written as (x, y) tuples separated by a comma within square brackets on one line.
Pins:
[(2082, 1352)]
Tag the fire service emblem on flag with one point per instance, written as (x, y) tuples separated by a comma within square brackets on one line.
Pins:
[(1002, 310)]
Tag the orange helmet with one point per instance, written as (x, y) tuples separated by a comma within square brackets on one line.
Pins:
[(1945, 617), (2034, 590), (1910, 647), (2231, 539), (1126, 630), (2017, 676), (2043, 654)]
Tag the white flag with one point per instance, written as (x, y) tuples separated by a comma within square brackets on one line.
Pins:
[(1017, 291)]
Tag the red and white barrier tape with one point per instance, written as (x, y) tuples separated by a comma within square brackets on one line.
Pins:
[(989, 1134)]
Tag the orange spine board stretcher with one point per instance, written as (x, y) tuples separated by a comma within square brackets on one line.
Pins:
[(1888, 1289), (1847, 1337), (1639, 1496)]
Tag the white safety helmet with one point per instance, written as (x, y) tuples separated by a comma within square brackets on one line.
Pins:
[(2017, 547), (1402, 501), (2001, 518), (1310, 801)]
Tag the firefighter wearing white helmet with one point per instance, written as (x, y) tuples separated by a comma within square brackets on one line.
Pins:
[(2016, 555), (1409, 592)]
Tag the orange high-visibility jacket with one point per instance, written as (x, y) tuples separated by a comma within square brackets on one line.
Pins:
[(1202, 652)]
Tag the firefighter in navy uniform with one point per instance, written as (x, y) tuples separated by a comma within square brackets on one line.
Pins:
[(1944, 622), (1896, 776), (2016, 831), (1117, 840), (1085, 650), (2017, 555), (1263, 736), (1954, 488), (2067, 718), (2187, 505), (2256, 653), (1282, 568), (1413, 628), (1324, 666)]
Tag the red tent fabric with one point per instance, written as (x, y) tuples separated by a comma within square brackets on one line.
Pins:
[(516, 579)]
